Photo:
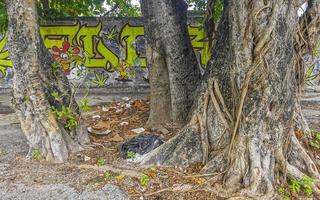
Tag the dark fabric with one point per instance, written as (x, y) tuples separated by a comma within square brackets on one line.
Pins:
[(141, 144)]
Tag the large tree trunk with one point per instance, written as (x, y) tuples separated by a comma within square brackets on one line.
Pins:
[(34, 82), (174, 71), (247, 112)]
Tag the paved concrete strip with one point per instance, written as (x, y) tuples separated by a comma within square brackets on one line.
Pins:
[(58, 192)]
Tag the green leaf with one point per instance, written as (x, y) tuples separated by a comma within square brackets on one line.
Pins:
[(295, 186)]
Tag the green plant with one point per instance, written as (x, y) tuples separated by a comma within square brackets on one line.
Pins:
[(131, 154), (308, 184), (55, 95), (55, 66), (100, 162), (100, 80), (26, 99), (67, 116), (36, 154), (84, 104), (315, 142), (305, 185), (58, 97), (295, 186), (282, 191), (107, 175), (310, 75), (144, 180)]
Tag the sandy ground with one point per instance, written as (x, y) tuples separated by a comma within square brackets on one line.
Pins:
[(28, 180)]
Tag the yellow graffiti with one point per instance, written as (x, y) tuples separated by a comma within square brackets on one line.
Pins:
[(128, 37), (4, 56), (96, 53), (55, 35), (199, 43)]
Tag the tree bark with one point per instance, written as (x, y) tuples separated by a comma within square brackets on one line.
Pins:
[(244, 121), (33, 83), (174, 71)]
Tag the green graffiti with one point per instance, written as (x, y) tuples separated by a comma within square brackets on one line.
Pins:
[(96, 53), (55, 35), (199, 42), (127, 39), (4, 56)]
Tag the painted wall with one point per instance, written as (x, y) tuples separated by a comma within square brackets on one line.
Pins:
[(111, 51), (100, 52), (312, 67)]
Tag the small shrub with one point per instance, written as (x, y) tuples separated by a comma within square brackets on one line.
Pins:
[(315, 142), (66, 116), (305, 185), (131, 155), (84, 104), (295, 186), (144, 180), (36, 154), (100, 162), (107, 175)]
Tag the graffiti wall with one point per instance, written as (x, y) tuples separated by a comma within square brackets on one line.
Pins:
[(312, 67), (99, 52)]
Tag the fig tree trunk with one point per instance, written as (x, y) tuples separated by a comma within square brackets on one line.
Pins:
[(174, 70), (39, 91), (244, 121)]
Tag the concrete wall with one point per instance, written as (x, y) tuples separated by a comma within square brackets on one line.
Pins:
[(110, 52), (100, 52)]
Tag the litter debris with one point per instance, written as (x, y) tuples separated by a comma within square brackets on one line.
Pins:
[(138, 130), (86, 158), (101, 125), (104, 109), (124, 123), (128, 105), (96, 117), (90, 130), (141, 145), (104, 132), (126, 98), (118, 110)]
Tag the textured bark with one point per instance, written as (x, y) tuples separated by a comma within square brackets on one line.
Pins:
[(33, 82), (244, 121), (173, 65)]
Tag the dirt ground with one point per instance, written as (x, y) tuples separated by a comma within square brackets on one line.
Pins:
[(99, 172)]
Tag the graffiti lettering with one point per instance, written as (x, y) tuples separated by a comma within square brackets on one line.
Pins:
[(95, 53), (199, 43), (128, 37), (55, 35), (4, 57)]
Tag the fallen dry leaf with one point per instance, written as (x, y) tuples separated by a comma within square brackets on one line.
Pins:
[(120, 177), (116, 138), (199, 180), (299, 133)]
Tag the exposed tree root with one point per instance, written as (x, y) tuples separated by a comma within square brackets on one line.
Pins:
[(185, 148), (253, 169), (247, 110)]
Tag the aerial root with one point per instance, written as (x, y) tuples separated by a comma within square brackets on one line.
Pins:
[(302, 155)]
